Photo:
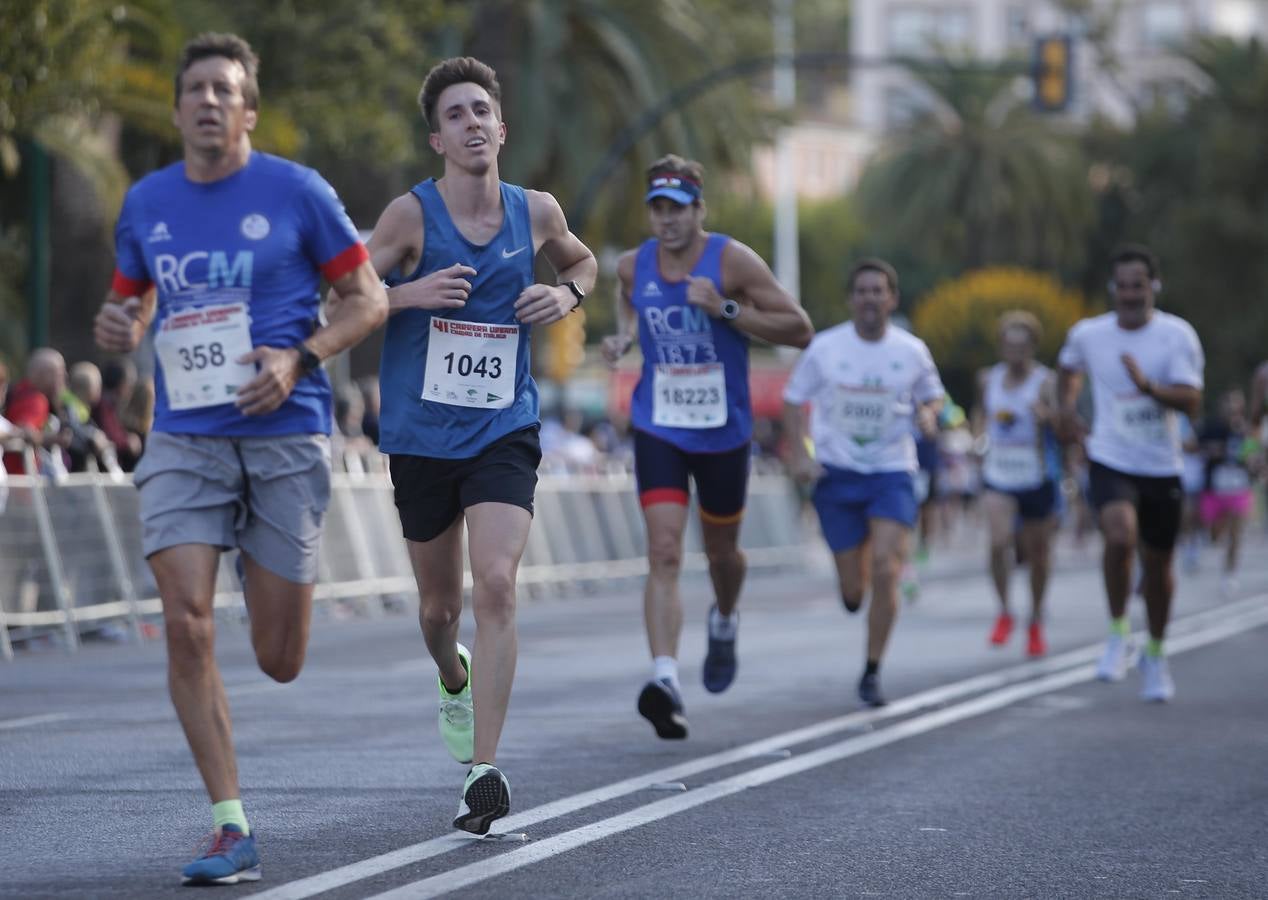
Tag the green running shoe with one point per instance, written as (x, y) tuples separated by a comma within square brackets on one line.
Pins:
[(457, 715)]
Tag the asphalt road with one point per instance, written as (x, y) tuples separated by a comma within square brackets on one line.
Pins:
[(988, 776)]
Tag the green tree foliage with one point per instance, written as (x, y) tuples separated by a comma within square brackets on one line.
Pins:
[(1193, 185), (975, 180)]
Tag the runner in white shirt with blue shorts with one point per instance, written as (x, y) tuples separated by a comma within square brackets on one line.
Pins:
[(865, 383)]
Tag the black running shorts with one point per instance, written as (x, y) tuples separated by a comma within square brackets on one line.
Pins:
[(1158, 501), (431, 493)]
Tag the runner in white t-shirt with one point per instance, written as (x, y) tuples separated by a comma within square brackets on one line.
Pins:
[(865, 383), (1016, 399), (1145, 368)]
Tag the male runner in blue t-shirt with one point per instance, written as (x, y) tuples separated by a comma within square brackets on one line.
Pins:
[(459, 415), (222, 255), (693, 299)]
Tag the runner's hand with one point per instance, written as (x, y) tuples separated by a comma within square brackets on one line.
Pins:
[(541, 304), (803, 469), (927, 421), (615, 346), (1133, 372), (1070, 427), (442, 289), (702, 293), (278, 372), (115, 327)]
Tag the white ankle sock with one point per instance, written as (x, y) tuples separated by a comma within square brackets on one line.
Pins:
[(665, 668)]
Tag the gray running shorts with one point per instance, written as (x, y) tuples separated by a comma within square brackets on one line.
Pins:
[(267, 495)]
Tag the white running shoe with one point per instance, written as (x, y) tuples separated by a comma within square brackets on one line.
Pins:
[(1115, 660), (1157, 686)]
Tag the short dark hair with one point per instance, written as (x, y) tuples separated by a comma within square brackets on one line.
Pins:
[(872, 264), (1129, 253), (673, 164), (230, 46), (456, 70)]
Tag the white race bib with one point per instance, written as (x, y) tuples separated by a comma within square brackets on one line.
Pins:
[(863, 414), (197, 349), (1141, 420), (691, 396), (1229, 479), (1013, 467), (471, 364)]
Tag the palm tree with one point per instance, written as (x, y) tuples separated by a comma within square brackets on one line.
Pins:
[(976, 178), (580, 70)]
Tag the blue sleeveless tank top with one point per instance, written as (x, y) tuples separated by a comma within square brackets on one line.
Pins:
[(409, 423), (672, 332)]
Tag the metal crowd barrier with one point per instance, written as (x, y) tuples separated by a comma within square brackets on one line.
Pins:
[(71, 561)]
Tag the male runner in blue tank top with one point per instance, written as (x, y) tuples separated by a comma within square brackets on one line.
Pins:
[(223, 253), (693, 299), (459, 414)]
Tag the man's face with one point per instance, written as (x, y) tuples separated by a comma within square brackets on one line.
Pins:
[(48, 375), (211, 112), (469, 129), (675, 224), (1015, 346), (871, 299), (1132, 288)]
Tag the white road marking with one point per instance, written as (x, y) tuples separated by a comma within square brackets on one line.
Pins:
[(482, 870), (25, 721), (376, 865)]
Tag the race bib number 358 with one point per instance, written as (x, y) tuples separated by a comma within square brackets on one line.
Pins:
[(471, 364), (197, 349)]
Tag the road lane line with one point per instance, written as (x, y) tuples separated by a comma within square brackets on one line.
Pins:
[(376, 865), (482, 870), (43, 718)]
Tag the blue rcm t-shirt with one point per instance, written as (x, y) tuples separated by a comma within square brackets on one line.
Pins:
[(673, 332), (264, 235), (414, 426)]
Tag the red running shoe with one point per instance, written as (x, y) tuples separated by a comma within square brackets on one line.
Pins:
[(1003, 628), (1036, 645)]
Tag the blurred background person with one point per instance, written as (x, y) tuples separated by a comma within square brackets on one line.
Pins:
[(1229, 452), (32, 407), (118, 382)]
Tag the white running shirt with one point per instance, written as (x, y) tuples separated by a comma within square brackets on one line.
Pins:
[(863, 396), (1132, 432)]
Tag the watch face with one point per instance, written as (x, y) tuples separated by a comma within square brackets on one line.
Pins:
[(730, 309)]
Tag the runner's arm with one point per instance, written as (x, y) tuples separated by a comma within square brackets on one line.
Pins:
[(767, 311), (1069, 427), (617, 345), (541, 304), (977, 417)]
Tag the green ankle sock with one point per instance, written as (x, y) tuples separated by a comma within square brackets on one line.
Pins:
[(230, 812), (1153, 648), (1120, 626)]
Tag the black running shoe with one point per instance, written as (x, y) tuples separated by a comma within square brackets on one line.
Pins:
[(719, 664), (660, 704), (486, 796), (870, 690)]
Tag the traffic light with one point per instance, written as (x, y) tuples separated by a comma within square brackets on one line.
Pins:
[(565, 345), (1053, 73)]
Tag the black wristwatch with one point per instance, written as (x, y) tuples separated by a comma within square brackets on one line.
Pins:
[(309, 361), (576, 292), (730, 309)]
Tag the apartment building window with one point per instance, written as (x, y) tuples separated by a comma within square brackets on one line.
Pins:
[(916, 30)]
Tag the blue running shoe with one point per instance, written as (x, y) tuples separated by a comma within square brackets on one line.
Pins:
[(719, 662), (660, 704), (230, 858)]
